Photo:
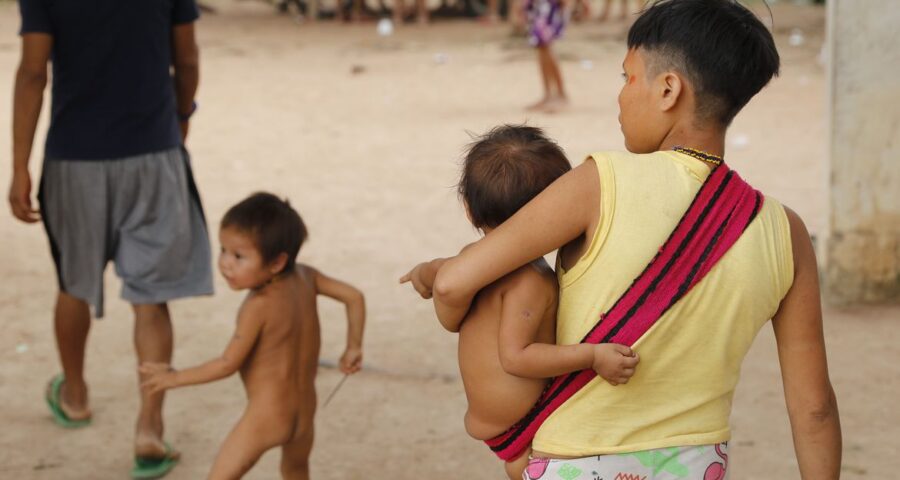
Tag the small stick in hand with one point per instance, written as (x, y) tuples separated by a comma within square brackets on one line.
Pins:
[(336, 388)]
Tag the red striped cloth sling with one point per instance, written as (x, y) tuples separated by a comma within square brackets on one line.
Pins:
[(718, 215)]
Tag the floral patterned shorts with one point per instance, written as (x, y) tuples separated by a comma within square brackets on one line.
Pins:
[(707, 462)]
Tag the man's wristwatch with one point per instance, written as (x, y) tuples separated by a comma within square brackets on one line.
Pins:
[(183, 117)]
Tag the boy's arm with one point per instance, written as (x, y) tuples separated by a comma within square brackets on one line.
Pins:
[(160, 376), (811, 403), (523, 310), (353, 299), (422, 276), (561, 213), (31, 79)]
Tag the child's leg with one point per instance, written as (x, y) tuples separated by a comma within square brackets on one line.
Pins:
[(555, 74), (604, 14), (248, 440), (492, 15), (295, 453), (356, 12), (340, 15), (399, 11), (516, 468), (543, 52), (421, 12)]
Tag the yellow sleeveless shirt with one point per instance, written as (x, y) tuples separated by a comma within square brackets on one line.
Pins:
[(681, 392)]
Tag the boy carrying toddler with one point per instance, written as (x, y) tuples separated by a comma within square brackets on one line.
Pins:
[(506, 342)]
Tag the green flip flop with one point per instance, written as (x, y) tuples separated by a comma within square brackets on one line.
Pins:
[(54, 401), (145, 468)]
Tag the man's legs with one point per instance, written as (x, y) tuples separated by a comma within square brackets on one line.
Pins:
[(153, 343), (72, 322)]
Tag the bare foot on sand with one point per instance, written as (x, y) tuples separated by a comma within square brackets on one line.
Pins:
[(540, 105), (556, 104), (549, 104)]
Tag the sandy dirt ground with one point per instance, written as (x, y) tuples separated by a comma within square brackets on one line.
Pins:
[(370, 159)]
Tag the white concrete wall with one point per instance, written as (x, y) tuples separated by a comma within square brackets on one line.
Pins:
[(863, 247)]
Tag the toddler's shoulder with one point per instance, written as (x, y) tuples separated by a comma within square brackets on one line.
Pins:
[(535, 278), (306, 274), (255, 307)]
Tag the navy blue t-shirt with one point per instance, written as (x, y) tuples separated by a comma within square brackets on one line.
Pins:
[(113, 93)]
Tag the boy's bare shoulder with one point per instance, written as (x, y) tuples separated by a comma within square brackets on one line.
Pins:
[(306, 273), (255, 307), (536, 278)]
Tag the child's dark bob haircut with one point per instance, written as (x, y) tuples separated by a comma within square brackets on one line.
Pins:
[(722, 48), (506, 168), (275, 226)]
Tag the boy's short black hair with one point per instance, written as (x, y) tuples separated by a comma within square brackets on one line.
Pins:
[(723, 49), (505, 168), (274, 225)]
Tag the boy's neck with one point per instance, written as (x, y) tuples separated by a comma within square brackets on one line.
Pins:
[(709, 140), (274, 278)]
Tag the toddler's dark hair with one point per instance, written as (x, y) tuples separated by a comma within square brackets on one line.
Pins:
[(724, 50), (505, 168), (274, 225)]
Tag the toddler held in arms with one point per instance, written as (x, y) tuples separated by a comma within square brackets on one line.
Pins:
[(276, 341), (506, 341)]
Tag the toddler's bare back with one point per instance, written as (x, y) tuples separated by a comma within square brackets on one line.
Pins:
[(281, 368), (497, 399)]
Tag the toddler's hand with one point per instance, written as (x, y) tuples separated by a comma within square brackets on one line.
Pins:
[(414, 276), (614, 362), (351, 361), (159, 377)]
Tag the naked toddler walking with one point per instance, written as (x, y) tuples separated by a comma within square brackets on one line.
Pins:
[(276, 341)]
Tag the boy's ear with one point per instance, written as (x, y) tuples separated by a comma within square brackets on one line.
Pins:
[(670, 90), (277, 265)]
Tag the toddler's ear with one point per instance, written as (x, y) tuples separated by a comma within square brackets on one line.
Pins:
[(277, 265)]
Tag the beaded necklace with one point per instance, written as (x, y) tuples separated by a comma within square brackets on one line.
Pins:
[(715, 160)]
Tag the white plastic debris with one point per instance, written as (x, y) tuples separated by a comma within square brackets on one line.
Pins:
[(385, 27), (587, 65), (796, 38)]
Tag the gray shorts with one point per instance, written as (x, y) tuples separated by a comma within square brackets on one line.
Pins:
[(141, 212)]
